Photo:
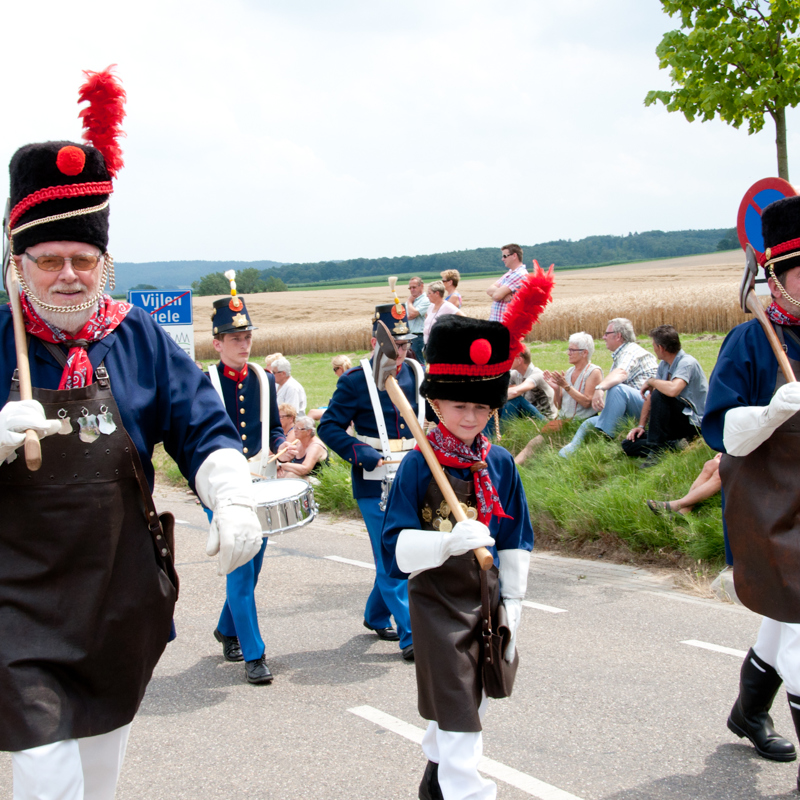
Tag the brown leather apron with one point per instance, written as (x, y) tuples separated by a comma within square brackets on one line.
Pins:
[(85, 597), (762, 517), (445, 606)]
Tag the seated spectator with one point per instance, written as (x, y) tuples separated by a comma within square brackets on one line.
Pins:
[(289, 388), (450, 279), (572, 392), (631, 366), (270, 360), (706, 485), (529, 394), (340, 365), (674, 400), (312, 453), (439, 307), (288, 414)]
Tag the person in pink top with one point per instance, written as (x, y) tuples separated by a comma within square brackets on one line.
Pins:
[(439, 308)]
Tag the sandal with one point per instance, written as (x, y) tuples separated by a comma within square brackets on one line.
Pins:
[(660, 507)]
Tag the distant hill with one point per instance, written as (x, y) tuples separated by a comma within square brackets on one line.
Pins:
[(591, 251), (176, 274)]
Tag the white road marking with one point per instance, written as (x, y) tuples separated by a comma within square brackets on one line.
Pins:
[(541, 607), (716, 648), (351, 561), (183, 522), (488, 766)]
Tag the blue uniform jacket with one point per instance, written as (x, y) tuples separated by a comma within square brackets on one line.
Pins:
[(161, 394), (411, 484), (243, 404), (744, 375), (350, 402)]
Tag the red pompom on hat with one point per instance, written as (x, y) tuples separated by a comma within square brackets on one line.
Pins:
[(71, 160), (480, 351)]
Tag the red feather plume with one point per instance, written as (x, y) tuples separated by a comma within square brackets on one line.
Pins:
[(526, 307), (103, 116)]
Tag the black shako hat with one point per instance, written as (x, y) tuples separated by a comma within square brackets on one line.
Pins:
[(230, 316), (59, 190), (780, 227), (393, 316), (468, 360)]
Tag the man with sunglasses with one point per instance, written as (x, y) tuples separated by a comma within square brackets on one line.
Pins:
[(502, 290), (87, 579), (381, 435)]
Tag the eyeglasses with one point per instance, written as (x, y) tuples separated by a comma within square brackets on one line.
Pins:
[(56, 263), (609, 333), (507, 255), (574, 349), (286, 416), (336, 370), (403, 345)]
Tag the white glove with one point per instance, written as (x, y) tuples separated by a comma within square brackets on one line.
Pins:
[(747, 427), (224, 485), (19, 416), (419, 550), (514, 566)]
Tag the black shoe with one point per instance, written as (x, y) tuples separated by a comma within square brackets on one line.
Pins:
[(749, 717), (429, 788), (386, 634), (231, 649), (257, 671), (408, 652)]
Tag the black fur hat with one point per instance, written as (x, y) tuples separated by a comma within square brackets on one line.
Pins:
[(468, 360), (54, 178), (780, 226)]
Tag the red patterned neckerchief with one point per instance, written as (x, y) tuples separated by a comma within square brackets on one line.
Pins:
[(779, 316), (77, 371), (452, 452)]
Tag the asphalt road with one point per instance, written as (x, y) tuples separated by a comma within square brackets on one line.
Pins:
[(610, 702)]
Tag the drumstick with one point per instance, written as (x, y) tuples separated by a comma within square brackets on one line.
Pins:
[(278, 454)]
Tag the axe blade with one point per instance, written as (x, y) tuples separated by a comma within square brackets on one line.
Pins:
[(748, 278), (384, 358)]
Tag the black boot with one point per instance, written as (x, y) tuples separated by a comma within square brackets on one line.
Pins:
[(758, 685), (794, 707), (429, 788)]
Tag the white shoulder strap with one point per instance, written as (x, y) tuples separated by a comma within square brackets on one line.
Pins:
[(214, 375), (263, 382), (380, 422), (420, 376)]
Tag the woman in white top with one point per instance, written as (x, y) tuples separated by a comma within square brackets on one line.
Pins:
[(439, 308), (572, 391)]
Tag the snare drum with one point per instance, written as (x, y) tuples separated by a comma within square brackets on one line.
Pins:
[(284, 505)]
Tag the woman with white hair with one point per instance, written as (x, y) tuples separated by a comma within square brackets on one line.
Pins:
[(572, 391), (312, 452)]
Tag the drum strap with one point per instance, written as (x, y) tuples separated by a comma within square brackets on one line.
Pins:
[(377, 411)]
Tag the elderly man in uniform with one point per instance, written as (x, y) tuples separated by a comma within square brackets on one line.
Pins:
[(87, 584), (250, 400), (751, 415), (376, 420)]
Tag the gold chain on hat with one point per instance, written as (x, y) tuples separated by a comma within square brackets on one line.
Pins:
[(87, 304), (783, 291)]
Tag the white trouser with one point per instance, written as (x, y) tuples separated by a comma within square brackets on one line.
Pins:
[(457, 755), (75, 769), (778, 644)]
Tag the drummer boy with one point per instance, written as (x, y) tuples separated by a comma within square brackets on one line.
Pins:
[(249, 395)]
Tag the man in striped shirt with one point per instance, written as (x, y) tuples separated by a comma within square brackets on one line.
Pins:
[(631, 366), (503, 290)]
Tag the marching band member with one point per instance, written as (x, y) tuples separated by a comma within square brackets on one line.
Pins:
[(467, 377), (251, 402), (381, 435)]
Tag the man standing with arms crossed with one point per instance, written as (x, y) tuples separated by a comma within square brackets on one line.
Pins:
[(501, 291), (417, 307)]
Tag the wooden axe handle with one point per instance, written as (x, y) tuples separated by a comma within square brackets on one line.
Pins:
[(754, 304), (484, 557), (33, 448)]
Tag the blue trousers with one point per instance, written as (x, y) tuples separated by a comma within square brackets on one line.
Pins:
[(621, 401), (416, 345), (389, 596), (239, 617)]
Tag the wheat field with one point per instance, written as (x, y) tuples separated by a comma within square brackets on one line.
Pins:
[(694, 293)]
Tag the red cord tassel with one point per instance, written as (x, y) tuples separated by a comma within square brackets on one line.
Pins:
[(103, 116), (528, 304)]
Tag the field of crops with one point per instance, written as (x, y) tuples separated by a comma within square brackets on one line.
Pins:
[(695, 294)]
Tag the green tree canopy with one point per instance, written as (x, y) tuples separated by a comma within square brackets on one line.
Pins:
[(248, 281), (736, 58)]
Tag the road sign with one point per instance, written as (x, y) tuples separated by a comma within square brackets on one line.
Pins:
[(172, 311), (748, 222)]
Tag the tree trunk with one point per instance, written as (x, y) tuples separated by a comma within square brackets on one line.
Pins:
[(780, 142)]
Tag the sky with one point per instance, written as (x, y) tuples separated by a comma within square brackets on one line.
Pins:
[(309, 130)]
